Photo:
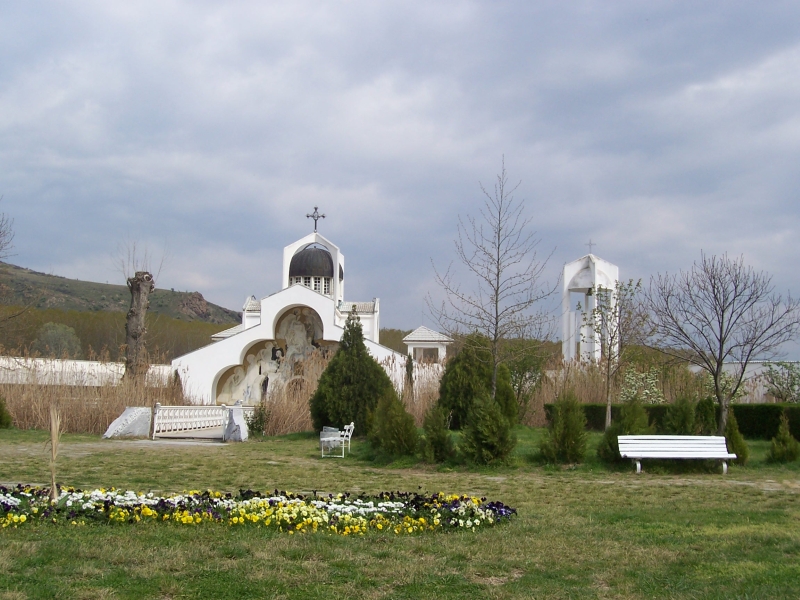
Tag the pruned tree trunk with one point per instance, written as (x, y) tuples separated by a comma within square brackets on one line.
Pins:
[(141, 285)]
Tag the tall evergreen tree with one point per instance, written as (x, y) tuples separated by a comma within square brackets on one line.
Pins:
[(468, 376), (350, 386)]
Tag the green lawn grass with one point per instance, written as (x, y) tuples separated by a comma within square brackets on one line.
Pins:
[(583, 531)]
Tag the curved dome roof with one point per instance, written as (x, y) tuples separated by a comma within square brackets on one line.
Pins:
[(311, 261)]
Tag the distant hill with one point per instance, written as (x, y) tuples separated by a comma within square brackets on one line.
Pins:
[(23, 287)]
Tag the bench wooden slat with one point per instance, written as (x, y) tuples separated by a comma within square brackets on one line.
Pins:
[(637, 447)]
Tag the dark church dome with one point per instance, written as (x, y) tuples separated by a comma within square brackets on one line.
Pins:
[(311, 261)]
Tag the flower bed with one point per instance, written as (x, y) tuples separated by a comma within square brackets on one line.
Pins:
[(397, 512)]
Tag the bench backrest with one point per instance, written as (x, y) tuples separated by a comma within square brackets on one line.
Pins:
[(348, 431), (673, 446)]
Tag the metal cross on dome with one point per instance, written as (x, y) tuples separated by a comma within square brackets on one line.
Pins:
[(316, 216), (590, 244)]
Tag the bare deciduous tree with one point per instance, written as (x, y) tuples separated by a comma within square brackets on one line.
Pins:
[(618, 320), (141, 285), (721, 311), (504, 272), (134, 263)]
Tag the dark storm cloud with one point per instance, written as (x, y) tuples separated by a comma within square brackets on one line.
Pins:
[(657, 129)]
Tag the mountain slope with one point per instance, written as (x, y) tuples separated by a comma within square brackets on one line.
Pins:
[(24, 287)]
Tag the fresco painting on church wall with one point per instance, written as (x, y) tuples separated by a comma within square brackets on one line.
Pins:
[(269, 365)]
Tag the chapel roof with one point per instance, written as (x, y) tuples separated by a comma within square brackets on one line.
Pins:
[(252, 305), (312, 261), (226, 333), (423, 334)]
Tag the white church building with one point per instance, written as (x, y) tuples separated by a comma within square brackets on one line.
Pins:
[(278, 332)]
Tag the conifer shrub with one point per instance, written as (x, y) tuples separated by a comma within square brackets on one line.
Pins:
[(705, 416), (392, 430), (784, 447), (258, 420), (735, 440), (351, 384), (488, 437), (680, 417), (468, 376), (5, 416), (566, 438), (437, 445), (505, 396), (633, 420)]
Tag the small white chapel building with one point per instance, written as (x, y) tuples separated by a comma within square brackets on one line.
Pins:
[(278, 332)]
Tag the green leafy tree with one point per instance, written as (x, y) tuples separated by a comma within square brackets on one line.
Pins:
[(783, 381), (784, 447), (617, 321), (468, 376), (644, 386), (57, 341), (488, 437), (566, 437), (349, 388), (393, 430)]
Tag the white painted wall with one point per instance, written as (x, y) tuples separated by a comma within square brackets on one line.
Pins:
[(52, 371)]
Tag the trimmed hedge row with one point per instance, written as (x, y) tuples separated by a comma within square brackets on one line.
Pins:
[(756, 421)]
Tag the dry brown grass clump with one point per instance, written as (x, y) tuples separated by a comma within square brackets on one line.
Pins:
[(83, 409), (424, 393)]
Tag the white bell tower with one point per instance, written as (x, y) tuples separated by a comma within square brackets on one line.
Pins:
[(582, 276)]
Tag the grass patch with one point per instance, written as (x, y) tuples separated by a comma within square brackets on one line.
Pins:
[(584, 531)]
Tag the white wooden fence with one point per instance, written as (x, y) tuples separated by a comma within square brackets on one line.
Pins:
[(186, 419)]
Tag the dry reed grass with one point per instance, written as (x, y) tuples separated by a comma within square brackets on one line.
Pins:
[(55, 440), (424, 393), (83, 409)]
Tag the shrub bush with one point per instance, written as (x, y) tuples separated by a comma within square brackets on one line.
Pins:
[(257, 422), (468, 376), (488, 437), (756, 421), (759, 421), (679, 419), (437, 445), (393, 430), (5, 416), (566, 437), (633, 420), (735, 440), (352, 383), (705, 417), (784, 447)]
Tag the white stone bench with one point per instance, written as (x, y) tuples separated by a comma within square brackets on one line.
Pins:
[(637, 447), (331, 439)]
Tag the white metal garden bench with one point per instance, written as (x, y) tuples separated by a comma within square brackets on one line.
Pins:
[(637, 447), (331, 439)]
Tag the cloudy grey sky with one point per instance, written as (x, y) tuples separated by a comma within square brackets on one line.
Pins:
[(657, 129)]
